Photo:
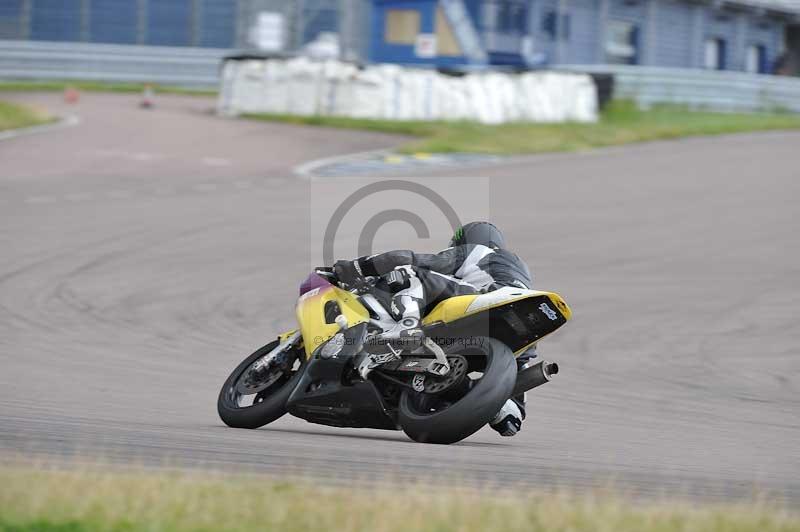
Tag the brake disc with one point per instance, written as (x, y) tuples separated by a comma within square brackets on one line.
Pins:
[(458, 371), (257, 379)]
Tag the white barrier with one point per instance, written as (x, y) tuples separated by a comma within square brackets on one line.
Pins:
[(304, 87)]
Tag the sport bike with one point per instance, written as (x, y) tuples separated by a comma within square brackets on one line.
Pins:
[(350, 364)]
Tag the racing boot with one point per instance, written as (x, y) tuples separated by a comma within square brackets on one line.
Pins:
[(509, 420)]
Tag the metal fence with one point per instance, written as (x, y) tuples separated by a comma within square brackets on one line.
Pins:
[(195, 67), (177, 42), (227, 24), (706, 89)]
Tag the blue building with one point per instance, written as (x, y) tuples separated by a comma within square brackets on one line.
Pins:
[(743, 35)]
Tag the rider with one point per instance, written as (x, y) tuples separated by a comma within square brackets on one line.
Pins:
[(477, 261)]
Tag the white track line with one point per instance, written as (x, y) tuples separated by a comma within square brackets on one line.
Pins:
[(216, 161), (69, 121), (78, 196), (306, 170), (119, 194), (40, 199)]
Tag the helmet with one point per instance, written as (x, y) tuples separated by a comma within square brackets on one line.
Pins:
[(481, 233)]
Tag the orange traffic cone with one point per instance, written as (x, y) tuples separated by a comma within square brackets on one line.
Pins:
[(71, 94), (148, 97)]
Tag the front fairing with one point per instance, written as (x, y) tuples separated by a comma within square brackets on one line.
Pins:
[(316, 310)]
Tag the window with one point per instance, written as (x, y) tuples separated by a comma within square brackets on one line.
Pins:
[(402, 26), (505, 16), (551, 27), (714, 54), (549, 23), (622, 43), (446, 43), (756, 60), (512, 17)]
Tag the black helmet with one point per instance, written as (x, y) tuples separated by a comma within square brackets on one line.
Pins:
[(481, 233)]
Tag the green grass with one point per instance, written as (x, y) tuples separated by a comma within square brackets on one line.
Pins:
[(93, 500), (620, 123), (98, 86), (14, 116)]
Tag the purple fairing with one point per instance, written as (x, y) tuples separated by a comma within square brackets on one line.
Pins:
[(313, 281)]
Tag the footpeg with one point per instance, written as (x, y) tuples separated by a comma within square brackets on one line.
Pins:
[(372, 361), (443, 367)]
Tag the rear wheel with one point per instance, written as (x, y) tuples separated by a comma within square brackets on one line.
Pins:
[(461, 411), (256, 392)]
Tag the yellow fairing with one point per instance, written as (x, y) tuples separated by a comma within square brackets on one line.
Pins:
[(311, 315), (458, 307), (283, 337), (449, 310)]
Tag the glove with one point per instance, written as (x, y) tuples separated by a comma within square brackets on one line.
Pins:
[(348, 272)]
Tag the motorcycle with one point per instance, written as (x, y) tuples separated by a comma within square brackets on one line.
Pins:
[(351, 364)]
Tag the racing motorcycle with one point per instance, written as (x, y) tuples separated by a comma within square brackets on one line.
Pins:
[(351, 364)]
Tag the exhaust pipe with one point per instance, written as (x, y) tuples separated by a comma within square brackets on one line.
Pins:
[(533, 376)]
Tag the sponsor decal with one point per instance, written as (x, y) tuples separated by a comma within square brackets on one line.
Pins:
[(418, 383), (310, 293), (550, 313)]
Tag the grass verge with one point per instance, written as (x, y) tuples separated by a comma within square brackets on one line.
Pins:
[(98, 86), (14, 116), (33, 499), (620, 123)]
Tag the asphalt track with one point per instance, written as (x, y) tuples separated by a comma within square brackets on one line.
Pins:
[(145, 253)]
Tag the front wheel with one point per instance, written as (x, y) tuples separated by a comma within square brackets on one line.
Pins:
[(460, 412), (256, 391)]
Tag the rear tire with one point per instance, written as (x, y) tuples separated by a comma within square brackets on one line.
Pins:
[(472, 411), (271, 408)]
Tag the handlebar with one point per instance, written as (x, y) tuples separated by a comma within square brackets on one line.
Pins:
[(362, 288)]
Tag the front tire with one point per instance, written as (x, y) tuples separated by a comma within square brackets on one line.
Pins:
[(428, 418), (268, 404)]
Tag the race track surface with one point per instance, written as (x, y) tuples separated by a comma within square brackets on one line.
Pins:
[(145, 253)]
